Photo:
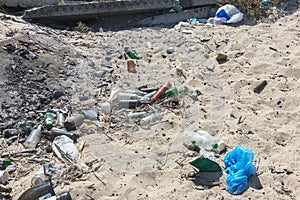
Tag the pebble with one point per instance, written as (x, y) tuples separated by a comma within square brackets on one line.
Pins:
[(170, 50)]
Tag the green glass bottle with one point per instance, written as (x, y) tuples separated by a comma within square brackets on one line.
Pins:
[(131, 53), (5, 161), (48, 120), (174, 91)]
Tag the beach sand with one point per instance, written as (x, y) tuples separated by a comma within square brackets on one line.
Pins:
[(153, 163)]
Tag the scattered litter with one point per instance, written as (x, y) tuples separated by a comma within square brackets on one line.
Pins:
[(205, 165)]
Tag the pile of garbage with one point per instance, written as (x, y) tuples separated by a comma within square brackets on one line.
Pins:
[(57, 131)]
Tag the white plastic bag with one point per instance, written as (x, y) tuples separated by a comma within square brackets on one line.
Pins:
[(228, 14)]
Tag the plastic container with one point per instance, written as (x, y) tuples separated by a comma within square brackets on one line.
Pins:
[(161, 91), (74, 122), (34, 137), (60, 120), (126, 96), (106, 108), (4, 176), (62, 196), (90, 114), (146, 122), (40, 177), (35, 193), (129, 103), (65, 149), (198, 139), (137, 115)]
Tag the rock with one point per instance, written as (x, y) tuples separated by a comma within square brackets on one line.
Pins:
[(170, 50)]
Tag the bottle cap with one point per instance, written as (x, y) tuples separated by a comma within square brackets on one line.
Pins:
[(214, 145)]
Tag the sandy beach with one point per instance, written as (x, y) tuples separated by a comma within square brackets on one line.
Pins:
[(137, 163)]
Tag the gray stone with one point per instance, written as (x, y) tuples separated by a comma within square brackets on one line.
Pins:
[(170, 50)]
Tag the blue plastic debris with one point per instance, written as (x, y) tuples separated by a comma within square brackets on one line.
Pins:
[(239, 166)]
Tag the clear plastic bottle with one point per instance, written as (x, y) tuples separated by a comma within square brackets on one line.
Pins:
[(40, 177), (147, 121), (60, 119), (34, 137), (199, 139), (35, 193), (136, 115), (65, 149), (62, 196)]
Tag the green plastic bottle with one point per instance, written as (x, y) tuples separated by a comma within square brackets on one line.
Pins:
[(5, 161), (131, 53), (48, 120)]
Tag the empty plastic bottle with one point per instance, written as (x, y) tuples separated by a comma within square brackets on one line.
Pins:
[(147, 121), (40, 177), (137, 115), (65, 149), (198, 139), (60, 120), (129, 103), (37, 192), (90, 114), (62, 196), (34, 137), (4, 176), (125, 96)]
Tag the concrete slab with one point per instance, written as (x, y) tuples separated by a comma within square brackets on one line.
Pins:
[(27, 3), (196, 3), (95, 9), (171, 18)]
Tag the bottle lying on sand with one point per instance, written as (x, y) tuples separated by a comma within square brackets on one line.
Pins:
[(41, 191), (62, 196), (34, 137), (199, 139)]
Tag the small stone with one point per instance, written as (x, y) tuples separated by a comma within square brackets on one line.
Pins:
[(193, 48), (100, 73), (58, 94), (170, 50)]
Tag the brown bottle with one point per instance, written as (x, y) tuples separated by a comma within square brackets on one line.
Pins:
[(54, 132), (74, 122), (38, 191)]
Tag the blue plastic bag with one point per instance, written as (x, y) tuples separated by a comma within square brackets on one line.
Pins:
[(239, 166)]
